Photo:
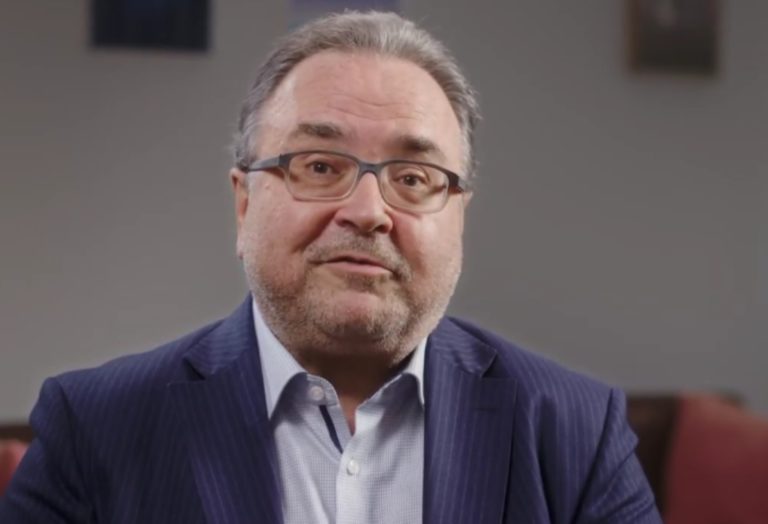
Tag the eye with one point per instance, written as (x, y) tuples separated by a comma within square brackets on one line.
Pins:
[(322, 165), (321, 168), (412, 178)]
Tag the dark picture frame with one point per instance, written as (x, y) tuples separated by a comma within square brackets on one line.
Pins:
[(151, 24), (675, 36)]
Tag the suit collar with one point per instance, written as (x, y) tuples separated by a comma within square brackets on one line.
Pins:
[(222, 418), (458, 347), (228, 341), (470, 401)]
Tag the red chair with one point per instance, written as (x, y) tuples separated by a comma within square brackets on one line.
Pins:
[(11, 452), (717, 470)]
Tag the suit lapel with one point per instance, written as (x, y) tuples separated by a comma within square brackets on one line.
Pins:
[(468, 434), (225, 427)]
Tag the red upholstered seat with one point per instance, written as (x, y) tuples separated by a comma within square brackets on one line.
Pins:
[(718, 465), (11, 452)]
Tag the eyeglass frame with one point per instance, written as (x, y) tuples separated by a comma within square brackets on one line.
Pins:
[(455, 182)]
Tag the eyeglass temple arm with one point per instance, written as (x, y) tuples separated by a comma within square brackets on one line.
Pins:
[(258, 165)]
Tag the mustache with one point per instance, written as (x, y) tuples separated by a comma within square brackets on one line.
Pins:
[(376, 248)]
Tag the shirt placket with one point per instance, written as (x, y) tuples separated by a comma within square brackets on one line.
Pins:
[(353, 480)]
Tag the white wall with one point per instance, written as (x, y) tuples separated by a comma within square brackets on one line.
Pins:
[(619, 226)]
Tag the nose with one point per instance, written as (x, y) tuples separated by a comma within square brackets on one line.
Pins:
[(365, 209)]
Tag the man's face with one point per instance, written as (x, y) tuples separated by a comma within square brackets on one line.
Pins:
[(356, 271)]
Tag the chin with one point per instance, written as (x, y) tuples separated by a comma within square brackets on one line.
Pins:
[(361, 316)]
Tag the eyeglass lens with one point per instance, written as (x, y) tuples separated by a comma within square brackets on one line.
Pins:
[(327, 176)]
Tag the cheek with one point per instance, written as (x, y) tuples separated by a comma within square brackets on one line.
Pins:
[(432, 246), (262, 229), (277, 224)]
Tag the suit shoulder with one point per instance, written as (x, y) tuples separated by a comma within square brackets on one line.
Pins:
[(129, 374), (565, 421), (566, 409), (533, 372)]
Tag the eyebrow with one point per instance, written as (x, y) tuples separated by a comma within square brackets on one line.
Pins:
[(324, 130), (407, 143), (418, 145)]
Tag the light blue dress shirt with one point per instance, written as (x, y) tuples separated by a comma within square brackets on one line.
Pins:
[(327, 475)]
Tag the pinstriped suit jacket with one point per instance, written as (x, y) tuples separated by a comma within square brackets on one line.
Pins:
[(180, 434)]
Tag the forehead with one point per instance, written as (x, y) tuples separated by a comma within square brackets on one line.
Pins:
[(373, 100)]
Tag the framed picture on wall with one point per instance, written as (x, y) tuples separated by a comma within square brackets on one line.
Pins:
[(150, 24), (679, 36)]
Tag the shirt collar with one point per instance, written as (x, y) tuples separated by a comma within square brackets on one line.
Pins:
[(278, 366)]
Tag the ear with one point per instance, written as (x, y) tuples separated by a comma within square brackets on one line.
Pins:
[(467, 196), (240, 188)]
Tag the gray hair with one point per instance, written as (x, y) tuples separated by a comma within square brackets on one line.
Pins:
[(384, 33)]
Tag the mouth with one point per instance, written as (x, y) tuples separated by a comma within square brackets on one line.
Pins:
[(358, 263)]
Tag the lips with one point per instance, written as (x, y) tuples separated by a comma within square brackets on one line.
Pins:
[(359, 259)]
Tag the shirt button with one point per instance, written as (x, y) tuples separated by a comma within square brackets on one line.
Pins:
[(353, 467), (316, 393)]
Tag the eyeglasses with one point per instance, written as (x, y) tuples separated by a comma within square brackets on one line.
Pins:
[(327, 175)]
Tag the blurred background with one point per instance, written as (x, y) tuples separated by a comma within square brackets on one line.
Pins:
[(620, 225)]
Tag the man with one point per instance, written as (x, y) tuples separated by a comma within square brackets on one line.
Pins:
[(337, 392)]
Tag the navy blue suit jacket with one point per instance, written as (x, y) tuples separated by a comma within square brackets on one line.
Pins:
[(180, 434)]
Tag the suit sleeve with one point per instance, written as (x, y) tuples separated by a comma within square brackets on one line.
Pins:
[(48, 484), (617, 490)]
